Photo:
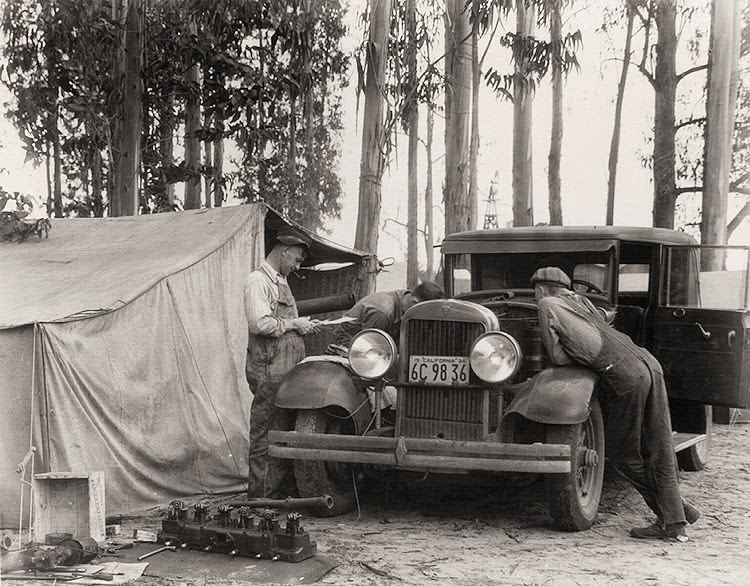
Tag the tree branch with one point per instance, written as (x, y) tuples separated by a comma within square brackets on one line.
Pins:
[(741, 215), (689, 121), (690, 189), (647, 74), (736, 184), (687, 72)]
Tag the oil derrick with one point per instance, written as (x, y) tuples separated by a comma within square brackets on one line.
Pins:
[(490, 212)]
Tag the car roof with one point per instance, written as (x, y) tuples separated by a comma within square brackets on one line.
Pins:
[(568, 233)]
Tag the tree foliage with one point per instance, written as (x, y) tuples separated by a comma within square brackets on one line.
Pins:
[(259, 61), (533, 56)]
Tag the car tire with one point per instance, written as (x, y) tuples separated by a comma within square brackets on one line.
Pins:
[(315, 477), (695, 457), (573, 497)]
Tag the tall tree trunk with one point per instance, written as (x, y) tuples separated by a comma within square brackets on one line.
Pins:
[(291, 161), (523, 190), (372, 161), (53, 131), (428, 229), (208, 178), (56, 161), (412, 265), (665, 85), (458, 83), (311, 165), (723, 81), (555, 148), (52, 119), (96, 164), (166, 143), (219, 160), (192, 124), (614, 147), (124, 200), (48, 175), (476, 78)]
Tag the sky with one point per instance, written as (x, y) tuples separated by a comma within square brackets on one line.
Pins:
[(589, 104), (588, 118)]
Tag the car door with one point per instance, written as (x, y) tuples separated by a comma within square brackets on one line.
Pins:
[(702, 324)]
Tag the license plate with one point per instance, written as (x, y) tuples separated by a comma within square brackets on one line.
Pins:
[(439, 370)]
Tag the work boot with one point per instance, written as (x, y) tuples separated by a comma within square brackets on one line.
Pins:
[(672, 532), (692, 514)]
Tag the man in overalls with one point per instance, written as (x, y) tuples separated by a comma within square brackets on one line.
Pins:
[(638, 426), (274, 346)]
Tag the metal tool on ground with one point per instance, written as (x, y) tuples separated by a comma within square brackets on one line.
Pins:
[(318, 502), (235, 532), (161, 549), (36, 577)]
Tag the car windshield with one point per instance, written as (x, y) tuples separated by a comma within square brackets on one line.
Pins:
[(590, 271)]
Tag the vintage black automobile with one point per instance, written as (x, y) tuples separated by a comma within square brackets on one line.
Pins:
[(477, 394)]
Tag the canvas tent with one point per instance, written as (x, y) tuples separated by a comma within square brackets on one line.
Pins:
[(122, 349)]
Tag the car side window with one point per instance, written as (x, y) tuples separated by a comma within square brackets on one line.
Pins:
[(711, 277)]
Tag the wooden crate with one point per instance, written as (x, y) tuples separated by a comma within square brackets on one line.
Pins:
[(69, 502)]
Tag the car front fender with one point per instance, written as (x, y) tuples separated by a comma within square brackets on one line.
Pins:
[(560, 395), (324, 381)]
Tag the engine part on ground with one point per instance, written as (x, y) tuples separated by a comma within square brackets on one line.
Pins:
[(17, 559), (238, 534), (44, 558), (79, 550), (316, 502)]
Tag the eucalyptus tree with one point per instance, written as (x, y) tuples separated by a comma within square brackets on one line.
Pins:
[(722, 84), (372, 158), (286, 116), (679, 142), (460, 214), (59, 66), (124, 188), (614, 148), (532, 57)]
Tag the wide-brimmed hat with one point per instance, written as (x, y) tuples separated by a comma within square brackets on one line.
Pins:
[(551, 276), (292, 237)]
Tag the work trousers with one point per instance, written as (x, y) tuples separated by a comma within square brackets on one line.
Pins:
[(268, 361), (639, 433)]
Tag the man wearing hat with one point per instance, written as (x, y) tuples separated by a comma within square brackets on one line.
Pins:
[(274, 346), (638, 426)]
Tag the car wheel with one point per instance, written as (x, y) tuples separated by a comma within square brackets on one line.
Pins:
[(573, 497), (315, 477), (695, 457)]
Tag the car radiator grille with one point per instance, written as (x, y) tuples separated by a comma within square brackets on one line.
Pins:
[(453, 413), (441, 338)]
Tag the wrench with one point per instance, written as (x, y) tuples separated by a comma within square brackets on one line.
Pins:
[(161, 549)]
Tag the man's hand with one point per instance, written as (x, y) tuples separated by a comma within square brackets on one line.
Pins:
[(305, 325)]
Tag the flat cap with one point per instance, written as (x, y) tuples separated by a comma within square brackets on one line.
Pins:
[(551, 276), (293, 237)]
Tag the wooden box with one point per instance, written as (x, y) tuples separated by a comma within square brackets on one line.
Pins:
[(69, 502)]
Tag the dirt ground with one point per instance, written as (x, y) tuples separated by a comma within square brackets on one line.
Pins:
[(502, 534)]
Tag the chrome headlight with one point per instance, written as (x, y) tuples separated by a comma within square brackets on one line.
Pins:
[(372, 353), (495, 357)]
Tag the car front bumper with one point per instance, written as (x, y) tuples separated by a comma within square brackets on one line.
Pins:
[(421, 454)]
